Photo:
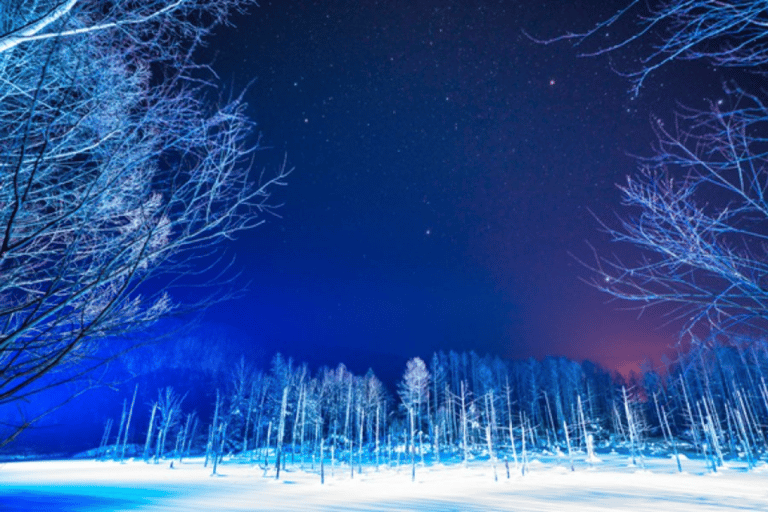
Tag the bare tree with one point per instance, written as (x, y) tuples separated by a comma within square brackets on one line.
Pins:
[(698, 205), (413, 392), (169, 406), (116, 168), (701, 215)]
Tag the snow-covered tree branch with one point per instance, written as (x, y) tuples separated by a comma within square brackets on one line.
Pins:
[(729, 34), (116, 168), (700, 212), (698, 206)]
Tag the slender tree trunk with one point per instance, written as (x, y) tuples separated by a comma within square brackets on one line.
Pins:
[(492, 418), (281, 430), (119, 440), (149, 431), (333, 447), (452, 426), (347, 415), (257, 425), (192, 435), (351, 459), (661, 421), (322, 461), (303, 426), (411, 420), (212, 430), (568, 442), (360, 442), (522, 448), (464, 425), (215, 443), (128, 423), (296, 421), (634, 431), (161, 439), (208, 446), (691, 419), (510, 423), (222, 442), (551, 419), (665, 423), (248, 418), (266, 448), (102, 451), (582, 420), (630, 425), (378, 407), (184, 434), (491, 454), (318, 437)]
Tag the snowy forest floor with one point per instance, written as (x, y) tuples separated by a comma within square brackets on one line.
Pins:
[(614, 483)]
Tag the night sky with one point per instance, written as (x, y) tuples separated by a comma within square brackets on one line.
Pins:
[(445, 170)]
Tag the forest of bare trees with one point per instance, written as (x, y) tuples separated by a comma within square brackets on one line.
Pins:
[(460, 407), (118, 166)]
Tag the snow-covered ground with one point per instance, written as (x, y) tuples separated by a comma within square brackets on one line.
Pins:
[(612, 484)]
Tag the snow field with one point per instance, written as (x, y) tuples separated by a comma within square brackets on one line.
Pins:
[(613, 484)]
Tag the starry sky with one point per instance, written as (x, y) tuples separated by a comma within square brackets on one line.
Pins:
[(445, 169)]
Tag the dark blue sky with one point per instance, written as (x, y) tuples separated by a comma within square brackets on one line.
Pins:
[(446, 166)]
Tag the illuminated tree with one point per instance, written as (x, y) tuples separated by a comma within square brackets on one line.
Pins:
[(698, 206), (116, 168), (169, 409), (701, 215), (413, 392), (728, 34)]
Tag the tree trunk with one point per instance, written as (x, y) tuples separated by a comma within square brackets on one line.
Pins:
[(464, 442), (102, 451), (248, 413), (128, 423), (413, 447), (118, 441), (568, 442), (281, 430), (378, 407), (322, 462), (149, 431)]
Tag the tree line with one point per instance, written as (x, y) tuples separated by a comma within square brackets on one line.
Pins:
[(712, 403)]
